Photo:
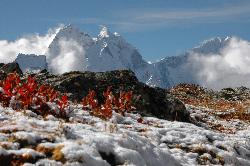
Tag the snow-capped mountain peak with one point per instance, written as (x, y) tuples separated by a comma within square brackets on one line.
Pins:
[(108, 51), (104, 32), (71, 32), (212, 46)]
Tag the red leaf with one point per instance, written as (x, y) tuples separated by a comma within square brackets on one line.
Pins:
[(65, 99)]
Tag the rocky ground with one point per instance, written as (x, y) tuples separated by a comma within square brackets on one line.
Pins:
[(226, 110), (185, 125)]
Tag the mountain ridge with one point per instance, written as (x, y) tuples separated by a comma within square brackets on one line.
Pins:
[(76, 50)]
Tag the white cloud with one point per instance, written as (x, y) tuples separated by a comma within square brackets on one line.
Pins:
[(229, 68), (70, 57), (30, 44)]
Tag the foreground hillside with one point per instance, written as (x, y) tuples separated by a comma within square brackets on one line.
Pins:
[(43, 121), (87, 140)]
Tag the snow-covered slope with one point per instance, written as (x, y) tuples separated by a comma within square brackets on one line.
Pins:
[(31, 63), (86, 140)]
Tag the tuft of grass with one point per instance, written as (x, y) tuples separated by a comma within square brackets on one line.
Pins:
[(54, 153), (58, 155)]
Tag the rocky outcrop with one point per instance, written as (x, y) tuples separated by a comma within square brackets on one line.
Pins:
[(9, 68), (153, 101)]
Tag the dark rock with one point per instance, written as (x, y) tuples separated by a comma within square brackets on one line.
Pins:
[(227, 93), (1, 65), (10, 68), (110, 158), (153, 101), (44, 71), (3, 75)]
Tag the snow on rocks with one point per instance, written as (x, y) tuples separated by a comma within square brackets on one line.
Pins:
[(87, 140)]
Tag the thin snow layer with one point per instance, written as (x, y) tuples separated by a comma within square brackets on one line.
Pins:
[(87, 140)]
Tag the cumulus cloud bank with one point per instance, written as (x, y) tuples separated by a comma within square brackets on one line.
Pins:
[(229, 68)]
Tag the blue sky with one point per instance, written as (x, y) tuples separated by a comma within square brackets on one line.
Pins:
[(158, 28)]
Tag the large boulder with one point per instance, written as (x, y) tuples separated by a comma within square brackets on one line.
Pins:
[(153, 101)]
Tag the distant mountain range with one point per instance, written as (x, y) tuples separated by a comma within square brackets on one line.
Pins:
[(72, 49)]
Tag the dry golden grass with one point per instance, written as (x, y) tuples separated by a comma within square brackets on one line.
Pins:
[(48, 151), (54, 153), (58, 155)]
